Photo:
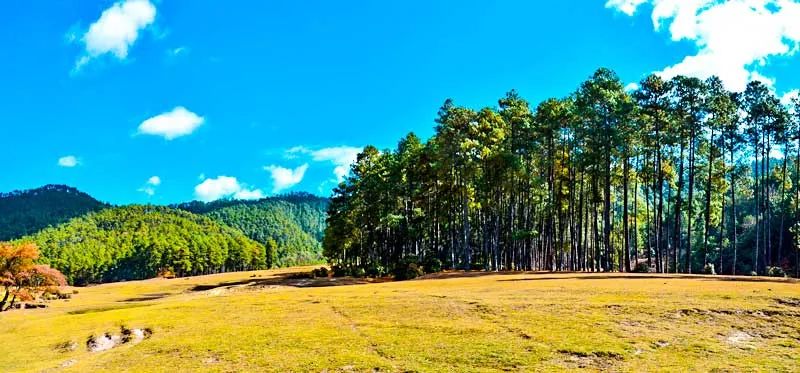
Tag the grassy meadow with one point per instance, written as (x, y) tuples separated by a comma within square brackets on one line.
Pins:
[(452, 322)]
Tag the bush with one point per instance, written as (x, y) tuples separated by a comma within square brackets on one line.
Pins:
[(432, 265), (408, 269), (376, 270), (775, 272), (319, 272), (641, 268), (709, 269), (359, 272), (339, 271)]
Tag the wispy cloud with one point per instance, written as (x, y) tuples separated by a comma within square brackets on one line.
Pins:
[(150, 186), (342, 157)]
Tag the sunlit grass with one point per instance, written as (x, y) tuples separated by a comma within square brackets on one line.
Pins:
[(455, 322)]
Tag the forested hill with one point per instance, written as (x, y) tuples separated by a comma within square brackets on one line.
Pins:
[(295, 222), (27, 212), (138, 242)]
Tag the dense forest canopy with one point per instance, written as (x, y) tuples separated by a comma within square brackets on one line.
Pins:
[(138, 242), (27, 212), (678, 175), (294, 222), (93, 242)]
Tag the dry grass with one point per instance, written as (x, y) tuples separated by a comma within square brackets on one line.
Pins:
[(262, 321)]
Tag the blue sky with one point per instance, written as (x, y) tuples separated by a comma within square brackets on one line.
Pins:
[(165, 101)]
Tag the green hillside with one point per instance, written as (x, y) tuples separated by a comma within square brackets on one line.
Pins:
[(27, 212), (296, 222), (138, 242)]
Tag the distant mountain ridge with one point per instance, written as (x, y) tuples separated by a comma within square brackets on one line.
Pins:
[(25, 212), (92, 241)]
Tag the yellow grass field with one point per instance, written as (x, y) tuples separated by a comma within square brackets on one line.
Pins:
[(453, 322)]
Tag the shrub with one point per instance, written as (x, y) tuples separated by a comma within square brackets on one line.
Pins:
[(340, 271), (319, 272), (775, 272), (432, 265), (359, 272), (641, 268), (408, 269), (376, 270), (709, 269)]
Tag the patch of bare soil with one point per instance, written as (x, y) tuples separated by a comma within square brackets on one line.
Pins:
[(600, 360), (741, 340), (108, 340), (791, 302)]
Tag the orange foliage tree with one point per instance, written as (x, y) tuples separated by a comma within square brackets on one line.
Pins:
[(22, 278)]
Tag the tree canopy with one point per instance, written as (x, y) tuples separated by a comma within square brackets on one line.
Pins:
[(677, 175), (138, 242)]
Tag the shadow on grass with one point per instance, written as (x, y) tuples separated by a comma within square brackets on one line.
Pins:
[(546, 275), (599, 276), (298, 280)]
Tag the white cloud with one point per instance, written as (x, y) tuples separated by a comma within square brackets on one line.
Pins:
[(788, 99), (150, 191), (68, 161), (625, 6), (733, 37), (249, 194), (630, 87), (285, 178), (150, 187), (170, 125), (341, 157), (116, 30), (222, 187)]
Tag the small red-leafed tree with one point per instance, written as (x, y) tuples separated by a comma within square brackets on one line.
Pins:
[(21, 278)]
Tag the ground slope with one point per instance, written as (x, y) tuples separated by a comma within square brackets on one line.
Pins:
[(262, 321)]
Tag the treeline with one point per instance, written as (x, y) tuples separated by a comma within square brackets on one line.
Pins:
[(27, 212), (675, 176), (139, 242), (295, 223)]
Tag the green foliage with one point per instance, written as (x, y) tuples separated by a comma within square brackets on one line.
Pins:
[(677, 174), (294, 224), (775, 272), (431, 264), (408, 269), (27, 212), (138, 242), (641, 268), (319, 272)]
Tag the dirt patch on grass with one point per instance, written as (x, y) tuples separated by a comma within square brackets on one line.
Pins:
[(740, 339), (791, 302), (108, 340), (599, 360)]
